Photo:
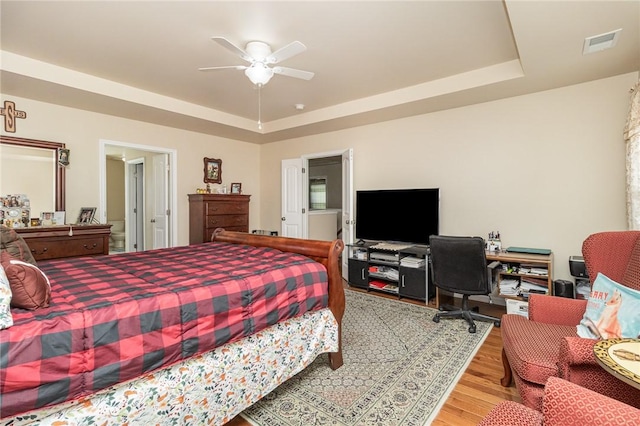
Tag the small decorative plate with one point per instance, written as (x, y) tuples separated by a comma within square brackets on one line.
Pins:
[(14, 212)]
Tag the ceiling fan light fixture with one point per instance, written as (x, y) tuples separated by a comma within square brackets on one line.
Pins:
[(259, 73)]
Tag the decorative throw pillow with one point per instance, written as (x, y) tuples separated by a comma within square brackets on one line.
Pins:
[(15, 245), (612, 311), (30, 287), (6, 320)]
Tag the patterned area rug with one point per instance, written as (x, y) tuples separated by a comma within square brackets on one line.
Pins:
[(399, 368)]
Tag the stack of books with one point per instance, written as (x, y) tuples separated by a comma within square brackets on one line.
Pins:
[(509, 287), (533, 285), (532, 270)]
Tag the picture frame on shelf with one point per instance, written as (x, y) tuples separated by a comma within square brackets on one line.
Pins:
[(236, 188), (46, 218), (59, 218), (86, 215), (34, 222), (212, 170)]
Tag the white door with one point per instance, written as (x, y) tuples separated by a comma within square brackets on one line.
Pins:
[(135, 210), (292, 203), (160, 220), (347, 206)]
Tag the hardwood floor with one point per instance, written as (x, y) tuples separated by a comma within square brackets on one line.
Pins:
[(478, 390)]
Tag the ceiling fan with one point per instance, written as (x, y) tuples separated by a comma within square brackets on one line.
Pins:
[(259, 56)]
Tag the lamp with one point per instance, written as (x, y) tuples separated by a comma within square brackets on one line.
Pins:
[(259, 73)]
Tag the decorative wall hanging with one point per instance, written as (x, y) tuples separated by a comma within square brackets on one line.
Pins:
[(63, 156), (10, 114), (212, 170)]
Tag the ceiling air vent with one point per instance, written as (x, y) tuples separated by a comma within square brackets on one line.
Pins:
[(601, 42)]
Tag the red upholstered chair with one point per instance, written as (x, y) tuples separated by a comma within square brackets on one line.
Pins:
[(547, 344), (564, 403)]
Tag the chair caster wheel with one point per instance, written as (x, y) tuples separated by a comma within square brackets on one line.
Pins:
[(497, 324), (436, 318), (472, 329)]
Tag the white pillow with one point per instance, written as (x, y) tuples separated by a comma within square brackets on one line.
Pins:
[(612, 311), (6, 320)]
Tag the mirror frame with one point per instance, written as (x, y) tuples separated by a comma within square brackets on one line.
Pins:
[(60, 171)]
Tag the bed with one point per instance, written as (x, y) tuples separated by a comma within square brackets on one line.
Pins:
[(185, 335)]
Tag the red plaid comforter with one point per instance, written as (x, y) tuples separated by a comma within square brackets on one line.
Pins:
[(113, 318)]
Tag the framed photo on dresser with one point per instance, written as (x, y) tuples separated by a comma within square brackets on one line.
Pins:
[(86, 215)]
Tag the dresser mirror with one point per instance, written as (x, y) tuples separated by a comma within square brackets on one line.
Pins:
[(30, 167)]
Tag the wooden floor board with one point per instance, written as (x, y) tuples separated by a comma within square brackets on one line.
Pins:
[(478, 390)]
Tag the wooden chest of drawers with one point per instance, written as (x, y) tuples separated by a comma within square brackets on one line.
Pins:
[(55, 242), (210, 211)]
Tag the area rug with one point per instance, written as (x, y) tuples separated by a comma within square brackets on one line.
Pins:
[(399, 368)]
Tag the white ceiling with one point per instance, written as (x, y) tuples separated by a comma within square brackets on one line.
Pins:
[(373, 61)]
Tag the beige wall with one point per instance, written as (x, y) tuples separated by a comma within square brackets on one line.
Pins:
[(333, 173), (115, 189), (545, 170), (81, 131)]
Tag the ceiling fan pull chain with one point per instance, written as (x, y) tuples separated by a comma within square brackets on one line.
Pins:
[(259, 107)]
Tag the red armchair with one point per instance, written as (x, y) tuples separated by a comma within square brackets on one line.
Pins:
[(564, 403), (547, 344)]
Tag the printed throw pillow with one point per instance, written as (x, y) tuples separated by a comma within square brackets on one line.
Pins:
[(6, 320), (15, 245), (612, 311), (30, 287)]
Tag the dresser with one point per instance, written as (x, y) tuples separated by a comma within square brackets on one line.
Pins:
[(55, 242), (210, 211)]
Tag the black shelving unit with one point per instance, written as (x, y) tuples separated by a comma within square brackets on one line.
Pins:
[(402, 272)]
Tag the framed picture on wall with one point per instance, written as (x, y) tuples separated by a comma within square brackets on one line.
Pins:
[(63, 156), (212, 170), (236, 188)]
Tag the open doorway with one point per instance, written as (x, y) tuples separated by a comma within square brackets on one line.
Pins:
[(143, 198), (296, 200)]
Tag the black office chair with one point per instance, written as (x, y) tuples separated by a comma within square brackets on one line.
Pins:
[(459, 265)]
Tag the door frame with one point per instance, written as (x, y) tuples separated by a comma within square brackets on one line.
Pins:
[(305, 185), (347, 187), (135, 228), (173, 181)]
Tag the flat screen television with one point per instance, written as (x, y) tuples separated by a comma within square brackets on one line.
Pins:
[(398, 215)]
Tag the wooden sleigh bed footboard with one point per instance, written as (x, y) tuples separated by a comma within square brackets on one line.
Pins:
[(324, 252)]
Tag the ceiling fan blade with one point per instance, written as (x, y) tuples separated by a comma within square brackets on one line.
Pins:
[(235, 67), (232, 47), (291, 49), (291, 72)]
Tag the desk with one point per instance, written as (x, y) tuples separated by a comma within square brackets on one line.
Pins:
[(517, 260), (607, 354)]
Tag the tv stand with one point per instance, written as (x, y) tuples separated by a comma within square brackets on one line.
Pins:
[(396, 268)]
